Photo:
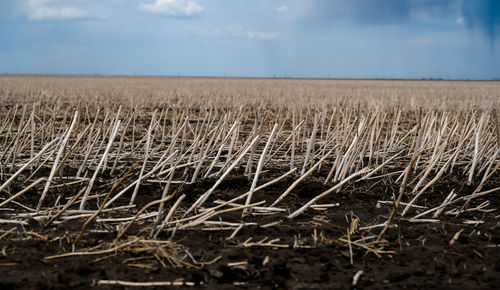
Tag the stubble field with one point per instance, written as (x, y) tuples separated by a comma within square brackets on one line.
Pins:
[(251, 183)]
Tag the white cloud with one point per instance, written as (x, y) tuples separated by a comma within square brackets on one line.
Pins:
[(173, 7), (460, 20), (47, 13), (262, 35), (45, 10), (282, 9)]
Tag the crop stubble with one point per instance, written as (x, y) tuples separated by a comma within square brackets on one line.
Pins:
[(150, 181)]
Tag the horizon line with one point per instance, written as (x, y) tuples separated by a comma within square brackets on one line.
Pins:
[(250, 77)]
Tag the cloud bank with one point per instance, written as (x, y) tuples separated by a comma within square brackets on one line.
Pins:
[(173, 8)]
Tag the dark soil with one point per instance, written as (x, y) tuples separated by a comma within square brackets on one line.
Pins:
[(315, 257)]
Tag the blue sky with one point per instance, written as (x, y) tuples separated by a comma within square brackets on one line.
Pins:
[(253, 38)]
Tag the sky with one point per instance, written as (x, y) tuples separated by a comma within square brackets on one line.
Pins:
[(449, 39)]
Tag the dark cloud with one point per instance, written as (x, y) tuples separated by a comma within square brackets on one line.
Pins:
[(483, 15), (381, 12)]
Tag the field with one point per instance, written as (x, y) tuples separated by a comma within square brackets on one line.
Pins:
[(251, 183)]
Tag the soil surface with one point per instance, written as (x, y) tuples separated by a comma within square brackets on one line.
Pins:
[(457, 252)]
